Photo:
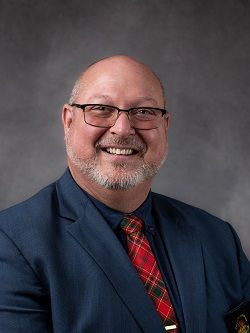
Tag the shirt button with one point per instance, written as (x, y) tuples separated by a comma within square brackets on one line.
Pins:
[(151, 228)]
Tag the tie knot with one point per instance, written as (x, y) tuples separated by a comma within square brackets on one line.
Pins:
[(131, 223)]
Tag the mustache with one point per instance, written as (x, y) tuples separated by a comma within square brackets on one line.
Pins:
[(133, 143)]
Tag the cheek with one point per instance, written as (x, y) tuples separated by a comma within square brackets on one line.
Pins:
[(161, 151), (157, 143), (84, 138)]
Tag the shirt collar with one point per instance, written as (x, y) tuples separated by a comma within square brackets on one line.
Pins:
[(114, 217)]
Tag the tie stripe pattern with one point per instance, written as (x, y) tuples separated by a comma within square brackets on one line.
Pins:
[(142, 257)]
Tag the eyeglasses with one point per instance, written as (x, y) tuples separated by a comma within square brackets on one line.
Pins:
[(100, 115)]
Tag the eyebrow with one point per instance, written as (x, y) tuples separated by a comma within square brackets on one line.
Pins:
[(146, 99), (97, 96), (137, 99)]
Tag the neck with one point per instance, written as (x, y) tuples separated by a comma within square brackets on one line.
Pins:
[(125, 201)]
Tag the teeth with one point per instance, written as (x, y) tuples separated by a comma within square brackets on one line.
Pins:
[(119, 151)]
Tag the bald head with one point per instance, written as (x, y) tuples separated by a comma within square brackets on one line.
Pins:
[(121, 69), (117, 156)]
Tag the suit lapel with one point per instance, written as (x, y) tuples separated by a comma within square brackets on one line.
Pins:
[(96, 237), (184, 249)]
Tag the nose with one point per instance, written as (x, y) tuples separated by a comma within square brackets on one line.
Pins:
[(122, 125)]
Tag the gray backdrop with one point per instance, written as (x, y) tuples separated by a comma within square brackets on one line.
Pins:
[(201, 51)]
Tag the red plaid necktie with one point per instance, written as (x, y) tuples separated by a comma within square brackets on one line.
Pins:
[(142, 257)]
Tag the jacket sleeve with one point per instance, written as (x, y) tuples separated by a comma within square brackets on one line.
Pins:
[(24, 304), (244, 266)]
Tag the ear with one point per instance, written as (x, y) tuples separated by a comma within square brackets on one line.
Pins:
[(67, 117), (167, 120)]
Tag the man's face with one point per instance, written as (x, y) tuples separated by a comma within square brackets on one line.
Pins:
[(119, 157)]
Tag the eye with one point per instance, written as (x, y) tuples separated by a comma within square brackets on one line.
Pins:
[(101, 110), (144, 113), (98, 107)]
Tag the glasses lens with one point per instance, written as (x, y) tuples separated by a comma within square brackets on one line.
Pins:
[(100, 115), (145, 118)]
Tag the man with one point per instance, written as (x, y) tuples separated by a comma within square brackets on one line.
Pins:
[(97, 251)]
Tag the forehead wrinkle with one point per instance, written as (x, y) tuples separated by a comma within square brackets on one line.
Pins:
[(115, 90)]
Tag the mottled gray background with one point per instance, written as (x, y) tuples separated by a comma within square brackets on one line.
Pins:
[(200, 49)]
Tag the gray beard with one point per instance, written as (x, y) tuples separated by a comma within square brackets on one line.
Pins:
[(123, 181)]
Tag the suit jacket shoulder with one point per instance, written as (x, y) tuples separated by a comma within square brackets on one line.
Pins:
[(218, 238)]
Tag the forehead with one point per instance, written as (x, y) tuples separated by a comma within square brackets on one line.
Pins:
[(120, 79)]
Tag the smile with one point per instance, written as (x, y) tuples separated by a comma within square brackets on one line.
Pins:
[(120, 151)]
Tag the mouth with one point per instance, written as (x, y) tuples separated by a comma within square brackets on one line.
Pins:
[(121, 146), (119, 151)]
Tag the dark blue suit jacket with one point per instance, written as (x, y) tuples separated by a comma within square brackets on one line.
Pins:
[(63, 270)]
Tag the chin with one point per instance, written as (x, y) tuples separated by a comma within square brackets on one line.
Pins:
[(122, 180)]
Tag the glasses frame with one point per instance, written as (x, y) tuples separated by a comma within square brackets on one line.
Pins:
[(83, 106)]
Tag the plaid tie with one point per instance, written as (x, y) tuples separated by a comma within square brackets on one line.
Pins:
[(142, 257)]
